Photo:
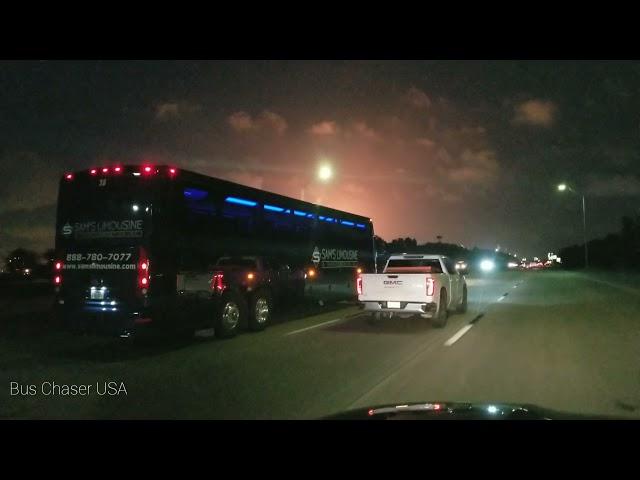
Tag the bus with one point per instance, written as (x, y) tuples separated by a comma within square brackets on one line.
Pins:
[(137, 246)]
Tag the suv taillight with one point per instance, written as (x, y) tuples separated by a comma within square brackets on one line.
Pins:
[(430, 287), (359, 284), (217, 282), (143, 270)]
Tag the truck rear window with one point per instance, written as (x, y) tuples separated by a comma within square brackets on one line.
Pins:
[(236, 262), (414, 265)]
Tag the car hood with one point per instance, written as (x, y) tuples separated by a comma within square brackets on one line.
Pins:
[(461, 411)]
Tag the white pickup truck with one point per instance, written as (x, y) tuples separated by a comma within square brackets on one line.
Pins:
[(428, 286)]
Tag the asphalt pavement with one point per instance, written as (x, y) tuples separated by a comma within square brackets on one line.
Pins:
[(561, 340)]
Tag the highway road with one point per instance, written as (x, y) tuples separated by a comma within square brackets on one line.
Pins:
[(562, 340)]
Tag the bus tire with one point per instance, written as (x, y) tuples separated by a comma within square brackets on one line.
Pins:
[(440, 320), (231, 315), (260, 310)]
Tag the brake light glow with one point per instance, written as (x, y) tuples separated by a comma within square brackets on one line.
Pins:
[(117, 169), (143, 270), (105, 170), (359, 285), (430, 287), (57, 280), (69, 176), (58, 265), (147, 170), (173, 172), (93, 171), (217, 282)]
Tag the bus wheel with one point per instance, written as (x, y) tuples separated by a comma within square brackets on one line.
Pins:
[(230, 317), (260, 310)]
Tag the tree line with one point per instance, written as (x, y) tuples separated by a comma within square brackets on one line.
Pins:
[(615, 251)]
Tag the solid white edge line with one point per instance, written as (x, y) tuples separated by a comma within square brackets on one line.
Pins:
[(457, 336), (312, 327)]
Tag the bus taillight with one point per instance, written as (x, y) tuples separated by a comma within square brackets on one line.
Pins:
[(143, 270), (359, 284)]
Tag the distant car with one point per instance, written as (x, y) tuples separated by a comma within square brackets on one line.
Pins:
[(427, 286)]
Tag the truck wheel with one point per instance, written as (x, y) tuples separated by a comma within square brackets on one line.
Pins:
[(231, 316), (260, 310), (462, 308), (440, 320), (374, 318)]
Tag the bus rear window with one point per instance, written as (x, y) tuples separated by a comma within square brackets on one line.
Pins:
[(88, 212)]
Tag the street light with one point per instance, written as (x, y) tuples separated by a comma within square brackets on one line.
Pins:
[(563, 187), (324, 174)]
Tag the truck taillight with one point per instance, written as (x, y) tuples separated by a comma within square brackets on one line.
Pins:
[(359, 284), (58, 265), (143, 269), (57, 280), (217, 282), (430, 287)]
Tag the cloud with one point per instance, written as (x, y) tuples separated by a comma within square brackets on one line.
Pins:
[(174, 110), (34, 181), (417, 98), (475, 168), (240, 121), (362, 129), (325, 128), (614, 186), (425, 142), (266, 121), (273, 121), (539, 113)]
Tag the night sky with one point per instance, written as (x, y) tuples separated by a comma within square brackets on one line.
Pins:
[(470, 150)]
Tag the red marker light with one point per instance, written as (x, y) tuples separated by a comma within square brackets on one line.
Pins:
[(144, 280), (105, 170), (58, 265), (117, 169), (172, 171), (57, 280), (69, 176), (147, 169), (93, 171)]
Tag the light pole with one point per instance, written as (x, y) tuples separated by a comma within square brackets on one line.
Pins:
[(564, 187), (324, 174)]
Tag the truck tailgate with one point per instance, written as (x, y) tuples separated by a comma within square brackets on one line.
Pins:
[(394, 287)]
